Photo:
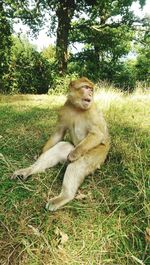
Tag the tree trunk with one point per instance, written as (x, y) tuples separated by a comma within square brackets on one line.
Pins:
[(64, 13)]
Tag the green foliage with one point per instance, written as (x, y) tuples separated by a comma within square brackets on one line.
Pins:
[(60, 84), (107, 35), (121, 74), (49, 53), (124, 75), (28, 72), (107, 32), (143, 59), (107, 39)]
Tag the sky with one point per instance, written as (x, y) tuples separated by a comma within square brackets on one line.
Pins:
[(43, 41)]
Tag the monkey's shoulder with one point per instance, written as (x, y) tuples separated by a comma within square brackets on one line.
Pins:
[(94, 114), (66, 115), (91, 117)]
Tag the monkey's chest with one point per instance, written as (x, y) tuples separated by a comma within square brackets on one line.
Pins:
[(78, 132)]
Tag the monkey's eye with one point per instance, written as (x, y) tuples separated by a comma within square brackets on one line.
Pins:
[(87, 87)]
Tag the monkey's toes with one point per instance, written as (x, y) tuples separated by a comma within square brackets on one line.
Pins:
[(51, 206), (19, 174), (14, 175)]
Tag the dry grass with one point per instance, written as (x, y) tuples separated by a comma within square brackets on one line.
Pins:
[(105, 224)]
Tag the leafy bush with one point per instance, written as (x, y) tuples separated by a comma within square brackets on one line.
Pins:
[(121, 74), (125, 76), (28, 72), (49, 53), (60, 84), (143, 57), (143, 66)]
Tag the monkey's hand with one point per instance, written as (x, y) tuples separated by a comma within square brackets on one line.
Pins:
[(73, 155)]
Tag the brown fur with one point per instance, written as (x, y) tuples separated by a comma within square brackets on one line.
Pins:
[(89, 137)]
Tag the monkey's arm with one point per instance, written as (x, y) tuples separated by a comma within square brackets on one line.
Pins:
[(94, 138), (57, 136)]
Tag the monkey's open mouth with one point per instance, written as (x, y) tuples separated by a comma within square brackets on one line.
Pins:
[(87, 100)]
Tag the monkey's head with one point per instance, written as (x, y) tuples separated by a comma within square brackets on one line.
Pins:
[(81, 93)]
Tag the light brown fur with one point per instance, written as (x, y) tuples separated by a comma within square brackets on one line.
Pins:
[(89, 137)]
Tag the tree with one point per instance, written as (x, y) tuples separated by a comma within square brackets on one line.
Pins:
[(106, 32), (64, 12), (106, 36), (33, 14), (5, 44)]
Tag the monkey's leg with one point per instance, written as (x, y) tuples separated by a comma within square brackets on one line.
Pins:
[(73, 177), (75, 174), (50, 158)]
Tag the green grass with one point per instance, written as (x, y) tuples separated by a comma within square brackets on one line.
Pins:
[(106, 226)]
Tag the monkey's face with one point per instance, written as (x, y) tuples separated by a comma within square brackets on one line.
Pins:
[(86, 96), (81, 93)]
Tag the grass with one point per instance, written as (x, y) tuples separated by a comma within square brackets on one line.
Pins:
[(105, 224)]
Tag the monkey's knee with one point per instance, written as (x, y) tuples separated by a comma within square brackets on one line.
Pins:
[(53, 156), (64, 149), (60, 150)]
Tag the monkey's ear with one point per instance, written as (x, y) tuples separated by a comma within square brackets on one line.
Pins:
[(71, 85)]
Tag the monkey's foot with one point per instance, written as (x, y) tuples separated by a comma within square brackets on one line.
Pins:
[(56, 202), (22, 173), (52, 204)]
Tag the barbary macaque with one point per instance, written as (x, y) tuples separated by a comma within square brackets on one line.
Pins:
[(89, 145)]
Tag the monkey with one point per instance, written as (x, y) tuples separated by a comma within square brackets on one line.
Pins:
[(88, 148)]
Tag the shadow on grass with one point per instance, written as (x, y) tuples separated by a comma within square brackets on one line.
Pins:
[(117, 194)]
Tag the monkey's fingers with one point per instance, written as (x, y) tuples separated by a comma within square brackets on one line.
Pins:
[(72, 156)]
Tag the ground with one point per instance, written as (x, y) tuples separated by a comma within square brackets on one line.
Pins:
[(106, 223)]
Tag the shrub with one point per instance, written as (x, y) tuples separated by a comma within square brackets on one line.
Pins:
[(28, 72), (60, 84)]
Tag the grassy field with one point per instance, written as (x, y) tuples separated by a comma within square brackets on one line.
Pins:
[(105, 224)]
